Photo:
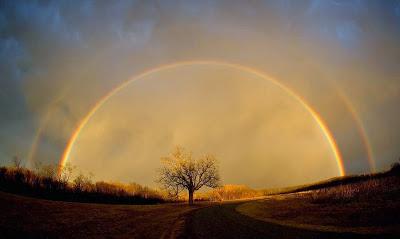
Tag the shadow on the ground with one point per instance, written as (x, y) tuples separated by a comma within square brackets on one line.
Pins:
[(223, 221)]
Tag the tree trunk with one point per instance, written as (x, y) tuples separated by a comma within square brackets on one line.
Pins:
[(190, 197)]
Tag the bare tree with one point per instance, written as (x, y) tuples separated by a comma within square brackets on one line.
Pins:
[(46, 170), (65, 172), (181, 171), (83, 182)]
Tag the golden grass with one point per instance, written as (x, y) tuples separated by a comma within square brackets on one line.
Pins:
[(387, 188), (367, 206), (229, 192)]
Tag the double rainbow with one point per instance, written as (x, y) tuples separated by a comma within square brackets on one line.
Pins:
[(318, 119)]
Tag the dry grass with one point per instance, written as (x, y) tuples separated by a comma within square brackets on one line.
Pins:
[(387, 188), (371, 205), (229, 192), (24, 217)]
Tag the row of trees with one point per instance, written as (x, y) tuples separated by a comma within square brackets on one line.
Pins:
[(45, 182), (180, 171)]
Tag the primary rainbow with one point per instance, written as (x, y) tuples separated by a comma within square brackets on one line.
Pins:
[(99, 104)]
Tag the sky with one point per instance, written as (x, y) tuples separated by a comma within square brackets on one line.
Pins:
[(342, 58)]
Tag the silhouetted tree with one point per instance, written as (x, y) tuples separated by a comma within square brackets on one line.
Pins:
[(181, 171)]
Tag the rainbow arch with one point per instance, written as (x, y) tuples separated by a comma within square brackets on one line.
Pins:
[(361, 130), (41, 129), (318, 119)]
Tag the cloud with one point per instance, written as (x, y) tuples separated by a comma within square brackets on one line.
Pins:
[(74, 54)]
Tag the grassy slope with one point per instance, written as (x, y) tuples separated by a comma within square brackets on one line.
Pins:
[(332, 182), (363, 204), (24, 217)]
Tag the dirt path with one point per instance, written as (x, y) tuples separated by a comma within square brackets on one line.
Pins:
[(223, 221)]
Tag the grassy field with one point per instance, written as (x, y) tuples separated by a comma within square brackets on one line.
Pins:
[(332, 182), (24, 217), (366, 206), (369, 204)]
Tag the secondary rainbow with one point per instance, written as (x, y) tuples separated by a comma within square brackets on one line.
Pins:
[(40, 130), (361, 130), (328, 134)]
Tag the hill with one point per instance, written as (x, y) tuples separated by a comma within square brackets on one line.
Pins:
[(359, 204), (337, 181)]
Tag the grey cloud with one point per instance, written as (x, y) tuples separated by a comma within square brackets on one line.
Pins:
[(75, 53)]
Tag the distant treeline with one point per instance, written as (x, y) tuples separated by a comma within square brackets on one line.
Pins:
[(46, 183), (229, 192)]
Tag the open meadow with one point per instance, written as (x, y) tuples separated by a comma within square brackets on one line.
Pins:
[(367, 208)]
